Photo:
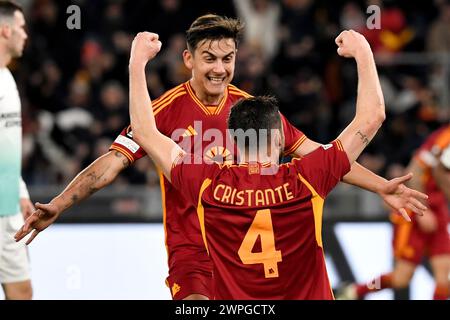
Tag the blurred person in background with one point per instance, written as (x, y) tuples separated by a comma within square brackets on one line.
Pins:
[(261, 18), (15, 204), (425, 236)]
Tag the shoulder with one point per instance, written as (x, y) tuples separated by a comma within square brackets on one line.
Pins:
[(6, 76), (237, 93), (169, 98), (428, 154)]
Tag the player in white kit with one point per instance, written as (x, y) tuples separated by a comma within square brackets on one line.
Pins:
[(15, 204)]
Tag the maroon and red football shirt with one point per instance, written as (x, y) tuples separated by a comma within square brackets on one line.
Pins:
[(180, 115), (262, 231)]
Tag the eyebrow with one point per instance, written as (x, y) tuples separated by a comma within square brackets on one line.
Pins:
[(211, 54)]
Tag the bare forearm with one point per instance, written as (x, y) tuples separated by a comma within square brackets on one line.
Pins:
[(370, 110), (141, 113), (364, 178), (160, 148), (95, 177), (370, 101), (358, 176)]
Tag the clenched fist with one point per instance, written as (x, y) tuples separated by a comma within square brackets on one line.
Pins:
[(352, 44), (145, 47)]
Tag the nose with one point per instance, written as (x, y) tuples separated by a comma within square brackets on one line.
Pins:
[(219, 67)]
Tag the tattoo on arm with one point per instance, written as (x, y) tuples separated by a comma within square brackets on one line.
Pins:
[(125, 161), (74, 198), (92, 190), (94, 179), (363, 137)]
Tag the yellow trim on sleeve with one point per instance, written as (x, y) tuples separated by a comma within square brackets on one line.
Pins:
[(295, 145), (123, 151)]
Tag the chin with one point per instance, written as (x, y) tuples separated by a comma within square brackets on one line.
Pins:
[(216, 90), (17, 54)]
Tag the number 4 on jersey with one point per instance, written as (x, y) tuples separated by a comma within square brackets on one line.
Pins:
[(269, 257)]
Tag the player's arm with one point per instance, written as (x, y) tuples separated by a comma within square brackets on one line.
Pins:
[(370, 112), (370, 109), (358, 176), (160, 148), (96, 176), (369, 116), (100, 173)]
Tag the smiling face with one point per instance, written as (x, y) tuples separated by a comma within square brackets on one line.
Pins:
[(212, 65)]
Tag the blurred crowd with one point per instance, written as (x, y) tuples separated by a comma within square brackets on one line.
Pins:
[(74, 83)]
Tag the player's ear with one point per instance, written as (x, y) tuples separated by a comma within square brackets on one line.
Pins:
[(279, 136), (188, 59), (278, 140), (5, 30)]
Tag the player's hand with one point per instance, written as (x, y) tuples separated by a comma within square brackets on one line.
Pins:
[(428, 222), (26, 207), (44, 216), (145, 47), (399, 197), (352, 44)]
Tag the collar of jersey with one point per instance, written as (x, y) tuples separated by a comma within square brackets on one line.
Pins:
[(204, 108)]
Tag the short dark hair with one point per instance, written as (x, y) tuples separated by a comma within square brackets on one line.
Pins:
[(255, 113), (213, 27), (7, 9)]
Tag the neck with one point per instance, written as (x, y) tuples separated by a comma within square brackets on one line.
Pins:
[(259, 157), (5, 58), (203, 96)]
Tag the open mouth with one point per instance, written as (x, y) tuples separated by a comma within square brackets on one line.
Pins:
[(216, 80)]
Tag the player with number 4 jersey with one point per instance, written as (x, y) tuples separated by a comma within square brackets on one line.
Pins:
[(186, 252), (263, 232)]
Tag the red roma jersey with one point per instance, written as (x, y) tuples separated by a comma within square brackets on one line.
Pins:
[(427, 156), (263, 232), (180, 115)]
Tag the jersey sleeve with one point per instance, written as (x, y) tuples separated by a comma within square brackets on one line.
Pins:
[(125, 144), (293, 137), (324, 167), (188, 175)]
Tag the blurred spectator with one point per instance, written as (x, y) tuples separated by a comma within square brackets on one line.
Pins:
[(438, 39), (352, 17), (394, 33), (261, 19), (297, 35)]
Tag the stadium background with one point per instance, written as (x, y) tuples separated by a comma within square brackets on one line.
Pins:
[(73, 85)]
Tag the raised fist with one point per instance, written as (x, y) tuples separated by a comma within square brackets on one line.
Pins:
[(352, 44), (145, 47)]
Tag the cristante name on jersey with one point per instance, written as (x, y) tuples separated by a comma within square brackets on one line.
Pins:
[(252, 197)]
